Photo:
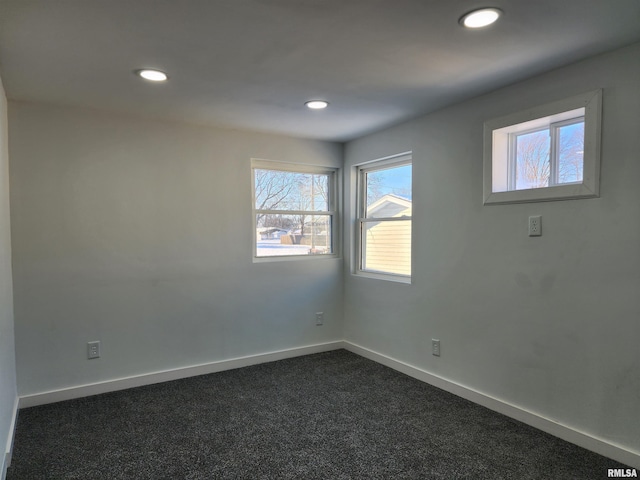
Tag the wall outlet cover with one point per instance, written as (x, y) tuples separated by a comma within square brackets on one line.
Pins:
[(93, 350), (535, 225)]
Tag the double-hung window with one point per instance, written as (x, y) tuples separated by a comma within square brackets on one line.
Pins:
[(384, 204), (550, 152), (294, 210)]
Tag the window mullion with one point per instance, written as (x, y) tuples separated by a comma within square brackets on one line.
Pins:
[(362, 200), (361, 206), (512, 163), (359, 247), (553, 155)]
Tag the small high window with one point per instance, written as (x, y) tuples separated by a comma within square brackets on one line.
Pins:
[(550, 152), (294, 210)]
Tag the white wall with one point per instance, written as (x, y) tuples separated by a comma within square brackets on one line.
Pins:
[(8, 393), (550, 324), (137, 233)]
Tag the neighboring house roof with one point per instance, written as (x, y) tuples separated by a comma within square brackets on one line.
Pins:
[(389, 205)]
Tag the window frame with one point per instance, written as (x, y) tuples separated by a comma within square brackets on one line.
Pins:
[(393, 161), (554, 162), (333, 212), (498, 152)]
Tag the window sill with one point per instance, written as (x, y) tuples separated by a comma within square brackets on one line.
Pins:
[(546, 194), (383, 276), (289, 258)]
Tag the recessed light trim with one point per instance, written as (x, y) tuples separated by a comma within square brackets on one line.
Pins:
[(152, 75), (482, 17), (317, 104)]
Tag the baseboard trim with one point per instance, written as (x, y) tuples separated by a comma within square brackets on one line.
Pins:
[(564, 432), (556, 429), (5, 466), (6, 458), (173, 374)]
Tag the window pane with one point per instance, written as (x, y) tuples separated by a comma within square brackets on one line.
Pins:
[(278, 190), (386, 246), (388, 192), (278, 235), (570, 153), (532, 160)]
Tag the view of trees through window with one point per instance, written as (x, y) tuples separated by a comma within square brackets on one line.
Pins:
[(539, 164), (293, 213)]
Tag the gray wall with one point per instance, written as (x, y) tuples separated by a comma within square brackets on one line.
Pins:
[(138, 233), (550, 324), (8, 394)]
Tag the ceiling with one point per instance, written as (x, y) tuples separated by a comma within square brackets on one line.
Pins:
[(252, 64)]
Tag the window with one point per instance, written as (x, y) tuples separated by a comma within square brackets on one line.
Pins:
[(294, 210), (384, 219), (550, 152), (548, 156)]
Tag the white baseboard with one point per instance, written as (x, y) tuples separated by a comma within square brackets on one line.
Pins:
[(5, 465), (564, 432), (6, 458), (173, 374)]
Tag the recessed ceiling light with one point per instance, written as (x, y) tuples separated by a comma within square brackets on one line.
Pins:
[(480, 18), (153, 75), (317, 104)]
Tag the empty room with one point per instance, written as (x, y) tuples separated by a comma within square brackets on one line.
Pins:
[(210, 265)]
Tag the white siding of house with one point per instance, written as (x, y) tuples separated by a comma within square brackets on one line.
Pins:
[(387, 246)]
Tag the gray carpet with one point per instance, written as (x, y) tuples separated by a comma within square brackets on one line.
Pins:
[(327, 416)]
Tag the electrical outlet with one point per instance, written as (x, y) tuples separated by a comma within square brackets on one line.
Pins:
[(93, 350), (435, 347), (319, 318), (535, 226)]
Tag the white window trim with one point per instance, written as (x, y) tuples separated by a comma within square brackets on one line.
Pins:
[(590, 185), (334, 205), (398, 160)]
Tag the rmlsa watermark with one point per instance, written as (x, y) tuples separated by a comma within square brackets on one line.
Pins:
[(622, 473)]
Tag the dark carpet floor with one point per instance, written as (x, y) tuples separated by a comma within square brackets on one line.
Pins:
[(327, 416)]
